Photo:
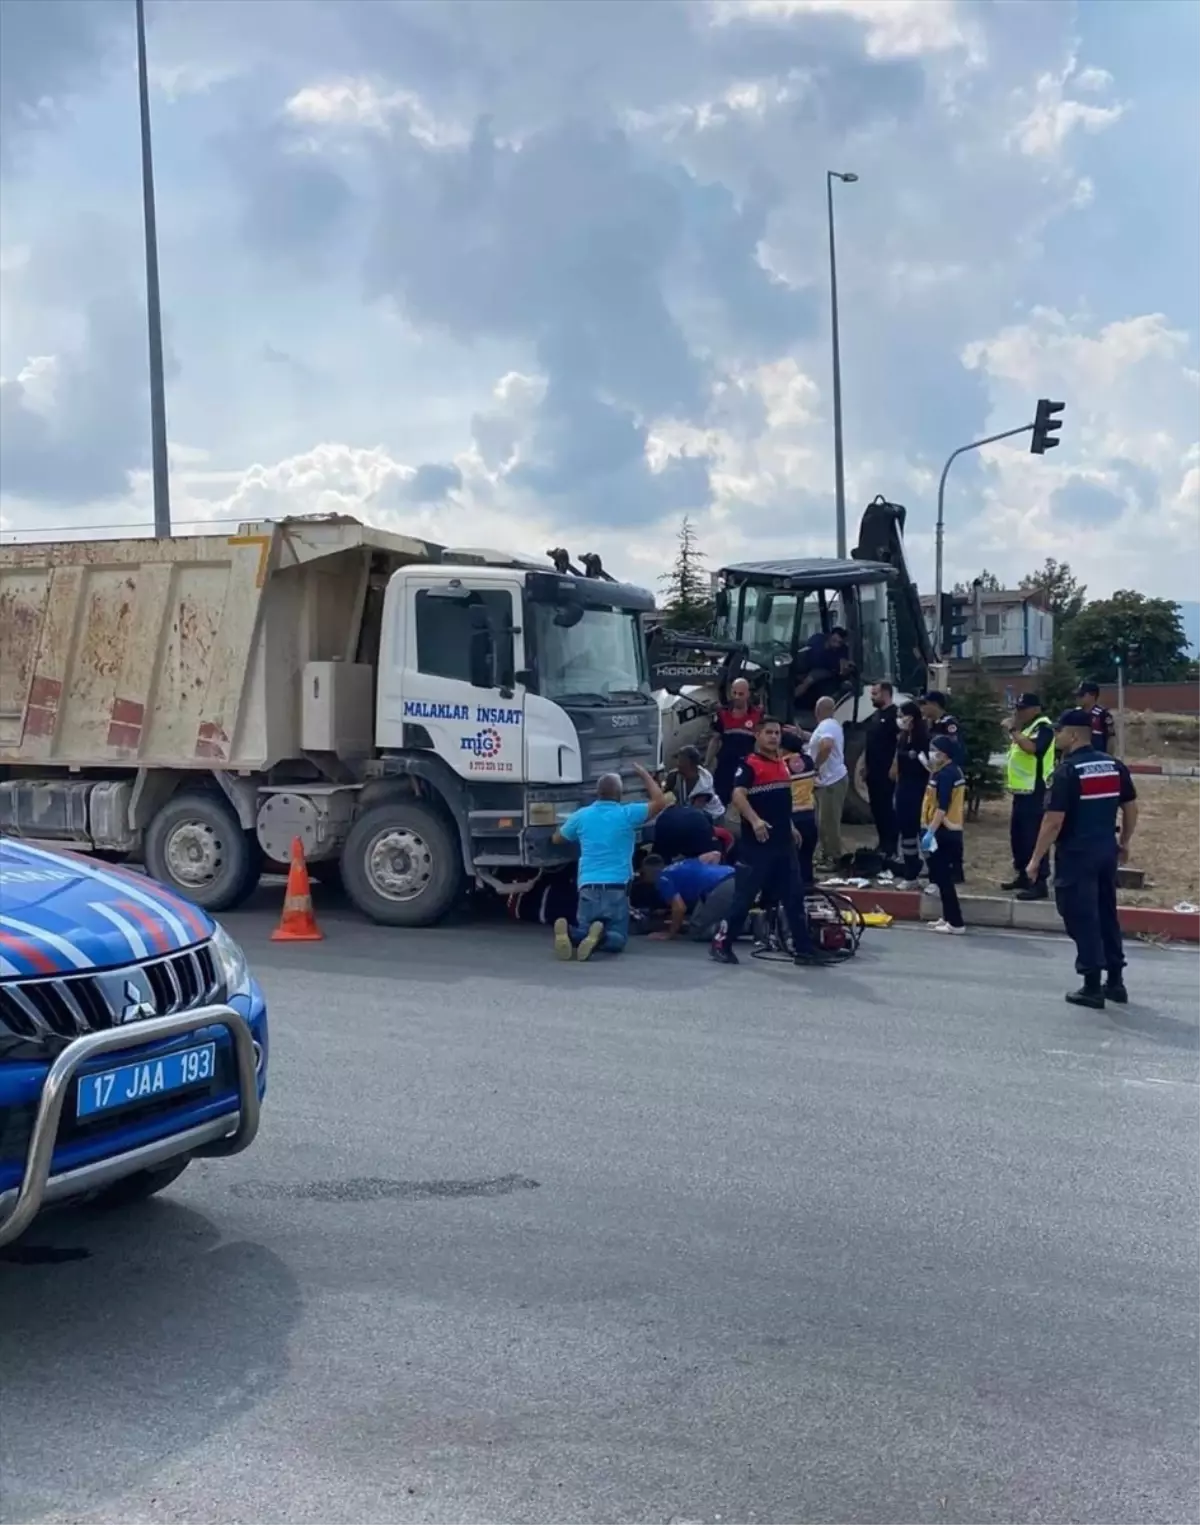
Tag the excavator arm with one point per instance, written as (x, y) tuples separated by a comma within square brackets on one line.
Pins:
[(881, 538)]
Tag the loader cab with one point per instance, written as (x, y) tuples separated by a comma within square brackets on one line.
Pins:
[(777, 608)]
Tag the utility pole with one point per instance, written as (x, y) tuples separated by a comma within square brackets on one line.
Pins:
[(1120, 708), (940, 534), (158, 394), (839, 469)]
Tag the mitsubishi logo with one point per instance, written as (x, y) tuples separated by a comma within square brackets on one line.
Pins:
[(134, 1008)]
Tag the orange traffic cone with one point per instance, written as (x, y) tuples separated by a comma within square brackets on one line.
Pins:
[(297, 924)]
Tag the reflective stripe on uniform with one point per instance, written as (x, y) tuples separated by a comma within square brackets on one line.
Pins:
[(1022, 767)]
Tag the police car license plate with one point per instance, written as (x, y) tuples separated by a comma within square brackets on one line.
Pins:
[(134, 1083)]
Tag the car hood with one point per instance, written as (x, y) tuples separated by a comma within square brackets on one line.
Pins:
[(61, 913)]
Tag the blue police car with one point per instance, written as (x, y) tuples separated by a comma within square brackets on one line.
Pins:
[(132, 1036)]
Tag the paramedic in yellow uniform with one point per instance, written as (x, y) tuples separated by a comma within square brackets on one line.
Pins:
[(804, 809)]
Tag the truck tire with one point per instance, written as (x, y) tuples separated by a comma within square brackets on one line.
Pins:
[(196, 845), (402, 864), (857, 809), (141, 1186)]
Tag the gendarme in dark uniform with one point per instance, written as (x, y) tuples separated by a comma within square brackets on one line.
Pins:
[(1101, 720), (1088, 791)]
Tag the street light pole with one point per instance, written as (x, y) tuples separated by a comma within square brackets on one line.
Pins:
[(939, 537), (158, 396), (839, 471)]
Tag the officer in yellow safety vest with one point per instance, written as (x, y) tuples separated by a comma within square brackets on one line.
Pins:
[(1030, 764)]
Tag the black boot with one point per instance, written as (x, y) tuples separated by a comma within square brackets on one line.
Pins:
[(1019, 883), (1033, 892), (1114, 988), (1090, 993)]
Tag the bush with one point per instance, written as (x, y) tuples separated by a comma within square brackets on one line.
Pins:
[(980, 715)]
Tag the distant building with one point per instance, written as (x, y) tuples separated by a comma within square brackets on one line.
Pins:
[(1017, 635)]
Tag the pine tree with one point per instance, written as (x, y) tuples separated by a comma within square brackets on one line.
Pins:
[(687, 604), (980, 714)]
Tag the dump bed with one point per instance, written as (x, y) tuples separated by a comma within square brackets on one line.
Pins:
[(186, 652)]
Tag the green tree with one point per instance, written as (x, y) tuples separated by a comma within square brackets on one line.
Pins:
[(1146, 633), (1061, 592), (980, 718), (988, 582), (687, 602)]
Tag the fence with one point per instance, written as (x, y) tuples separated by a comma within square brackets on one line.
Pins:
[(1152, 698)]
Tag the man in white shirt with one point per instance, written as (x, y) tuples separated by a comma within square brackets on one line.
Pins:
[(828, 750), (694, 785)]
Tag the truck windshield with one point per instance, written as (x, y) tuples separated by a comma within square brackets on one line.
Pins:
[(602, 655)]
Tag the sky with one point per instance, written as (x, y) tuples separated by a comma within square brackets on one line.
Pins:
[(557, 273)]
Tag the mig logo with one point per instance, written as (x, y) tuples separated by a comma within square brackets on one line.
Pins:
[(485, 743)]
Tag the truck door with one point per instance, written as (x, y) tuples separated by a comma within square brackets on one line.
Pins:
[(458, 692)]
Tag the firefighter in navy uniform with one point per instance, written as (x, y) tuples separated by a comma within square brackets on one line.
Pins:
[(768, 862), (1101, 720), (1088, 791)]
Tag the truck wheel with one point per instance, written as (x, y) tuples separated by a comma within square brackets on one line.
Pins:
[(142, 1185), (402, 864), (857, 809), (196, 845)]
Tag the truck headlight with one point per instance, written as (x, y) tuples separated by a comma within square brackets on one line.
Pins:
[(550, 812), (231, 964)]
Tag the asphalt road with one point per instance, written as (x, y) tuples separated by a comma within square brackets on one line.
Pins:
[(646, 1240)]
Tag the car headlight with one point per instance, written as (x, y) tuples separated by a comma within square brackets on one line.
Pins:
[(231, 964)]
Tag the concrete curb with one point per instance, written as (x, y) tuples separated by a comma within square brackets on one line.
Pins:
[(1165, 770), (1022, 915)]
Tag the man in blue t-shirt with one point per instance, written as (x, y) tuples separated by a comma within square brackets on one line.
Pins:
[(606, 833), (694, 890)]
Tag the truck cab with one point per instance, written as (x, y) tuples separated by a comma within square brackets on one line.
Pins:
[(512, 688)]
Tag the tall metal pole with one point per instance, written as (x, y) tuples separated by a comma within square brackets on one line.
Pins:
[(940, 534), (158, 395), (839, 470), (1120, 708)]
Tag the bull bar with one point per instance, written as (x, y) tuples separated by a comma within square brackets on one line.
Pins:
[(227, 1134)]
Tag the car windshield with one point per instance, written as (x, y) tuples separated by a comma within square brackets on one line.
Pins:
[(601, 655)]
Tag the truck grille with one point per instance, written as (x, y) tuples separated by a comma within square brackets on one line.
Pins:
[(74, 1004)]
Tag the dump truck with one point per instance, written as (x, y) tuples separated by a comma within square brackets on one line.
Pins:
[(420, 717)]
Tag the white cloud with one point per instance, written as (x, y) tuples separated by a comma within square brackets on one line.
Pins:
[(362, 104), (894, 28), (1053, 115), (1117, 499), (676, 154), (176, 81)]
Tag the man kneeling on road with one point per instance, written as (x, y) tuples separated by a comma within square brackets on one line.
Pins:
[(606, 834), (697, 891), (770, 865)]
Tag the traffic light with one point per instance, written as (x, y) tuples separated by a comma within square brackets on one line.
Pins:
[(1046, 426), (954, 618)]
